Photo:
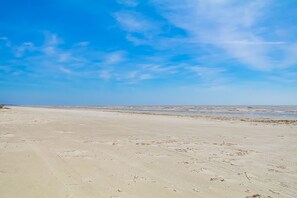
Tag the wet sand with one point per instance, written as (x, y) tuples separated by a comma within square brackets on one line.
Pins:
[(48, 152)]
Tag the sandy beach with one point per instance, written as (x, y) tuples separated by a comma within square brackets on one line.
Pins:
[(48, 152)]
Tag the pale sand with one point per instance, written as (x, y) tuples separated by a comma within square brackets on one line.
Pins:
[(89, 153)]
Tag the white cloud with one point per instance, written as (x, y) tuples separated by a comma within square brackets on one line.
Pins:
[(51, 43), (140, 29), (233, 26), (129, 76), (132, 21), (53, 58), (136, 72), (210, 76), (52, 39)]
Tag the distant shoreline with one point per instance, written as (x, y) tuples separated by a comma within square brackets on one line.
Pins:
[(145, 110)]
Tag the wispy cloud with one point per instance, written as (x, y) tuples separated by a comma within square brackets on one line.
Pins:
[(140, 29), (211, 76), (133, 21), (80, 59), (51, 43), (52, 58), (135, 73), (233, 26)]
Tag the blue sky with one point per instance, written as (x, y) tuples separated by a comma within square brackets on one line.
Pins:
[(128, 52)]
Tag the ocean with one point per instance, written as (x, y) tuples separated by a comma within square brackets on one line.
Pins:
[(269, 112)]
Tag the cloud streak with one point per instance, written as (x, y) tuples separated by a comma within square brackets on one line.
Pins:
[(236, 27), (140, 28), (81, 60)]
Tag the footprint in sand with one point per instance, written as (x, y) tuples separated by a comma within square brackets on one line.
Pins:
[(227, 144), (274, 170), (169, 188), (242, 152), (257, 196), (195, 190), (217, 179), (142, 144), (281, 167), (254, 196)]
